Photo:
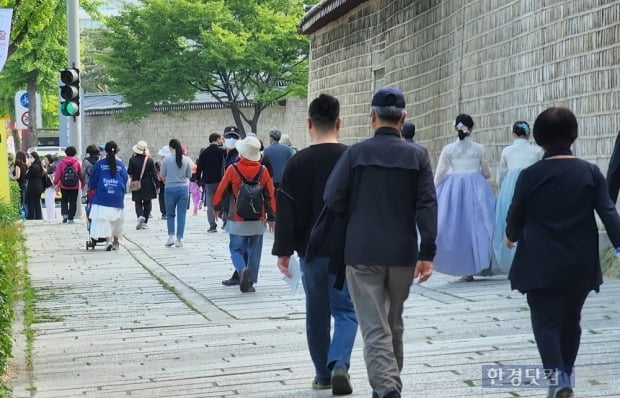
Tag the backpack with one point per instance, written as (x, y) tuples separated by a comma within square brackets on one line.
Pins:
[(69, 177), (250, 200)]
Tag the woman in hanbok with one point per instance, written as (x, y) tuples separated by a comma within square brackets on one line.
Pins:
[(516, 157), (465, 206)]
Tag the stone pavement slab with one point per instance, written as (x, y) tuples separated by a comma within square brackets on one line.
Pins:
[(152, 321)]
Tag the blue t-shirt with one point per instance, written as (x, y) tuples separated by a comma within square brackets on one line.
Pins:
[(109, 190)]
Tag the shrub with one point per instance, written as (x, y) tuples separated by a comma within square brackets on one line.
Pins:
[(12, 256)]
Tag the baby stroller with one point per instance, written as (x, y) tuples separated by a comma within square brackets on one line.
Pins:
[(91, 242)]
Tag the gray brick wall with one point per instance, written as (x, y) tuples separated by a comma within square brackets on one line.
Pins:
[(192, 128), (498, 60)]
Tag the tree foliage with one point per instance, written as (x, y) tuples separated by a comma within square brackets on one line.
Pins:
[(37, 51), (238, 51)]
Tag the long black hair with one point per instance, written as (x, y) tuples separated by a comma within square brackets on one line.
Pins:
[(178, 151), (111, 150)]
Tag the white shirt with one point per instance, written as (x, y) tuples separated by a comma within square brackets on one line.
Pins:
[(519, 155), (462, 156)]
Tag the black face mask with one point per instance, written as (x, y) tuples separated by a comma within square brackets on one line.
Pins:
[(463, 135)]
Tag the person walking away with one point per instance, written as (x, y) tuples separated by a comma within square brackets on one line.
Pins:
[(466, 205), (252, 202), (382, 263), (68, 179), (513, 160), (286, 140), (176, 170), (556, 264), (408, 132), (20, 168), (195, 191), (141, 169), (161, 196), (277, 154), (209, 171), (108, 180), (299, 202), (35, 186), (49, 164)]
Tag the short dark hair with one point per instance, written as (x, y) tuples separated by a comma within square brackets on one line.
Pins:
[(214, 137), (70, 151), (408, 130), (555, 128), (92, 149), (324, 112), (465, 119)]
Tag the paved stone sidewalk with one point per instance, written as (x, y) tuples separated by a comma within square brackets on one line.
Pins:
[(151, 321)]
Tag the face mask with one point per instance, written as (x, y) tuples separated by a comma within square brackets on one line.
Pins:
[(230, 143)]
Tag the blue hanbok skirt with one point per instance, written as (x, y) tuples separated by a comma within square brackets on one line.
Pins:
[(465, 222), (504, 255)]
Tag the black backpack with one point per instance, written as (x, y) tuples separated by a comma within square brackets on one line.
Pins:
[(69, 177), (250, 199)]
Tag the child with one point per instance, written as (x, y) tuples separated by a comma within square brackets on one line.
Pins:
[(195, 191)]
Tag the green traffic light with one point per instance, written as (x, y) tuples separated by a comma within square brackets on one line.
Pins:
[(69, 108)]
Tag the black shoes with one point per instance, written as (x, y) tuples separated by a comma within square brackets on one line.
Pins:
[(244, 281), (212, 229), (233, 281), (341, 384)]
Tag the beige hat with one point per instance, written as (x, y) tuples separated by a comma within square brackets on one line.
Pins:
[(141, 148), (249, 148)]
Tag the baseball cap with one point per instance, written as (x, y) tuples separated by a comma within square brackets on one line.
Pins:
[(389, 96), (231, 131)]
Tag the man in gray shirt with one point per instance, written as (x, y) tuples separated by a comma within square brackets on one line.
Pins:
[(277, 154)]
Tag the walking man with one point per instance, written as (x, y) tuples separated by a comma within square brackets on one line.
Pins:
[(299, 201), (385, 186), (209, 171), (277, 154)]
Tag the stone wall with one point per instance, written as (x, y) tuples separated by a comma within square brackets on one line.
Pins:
[(192, 128), (498, 60)]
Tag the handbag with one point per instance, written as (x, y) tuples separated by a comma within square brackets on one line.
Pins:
[(47, 181), (137, 185)]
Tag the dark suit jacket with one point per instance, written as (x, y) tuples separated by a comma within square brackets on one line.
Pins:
[(552, 219)]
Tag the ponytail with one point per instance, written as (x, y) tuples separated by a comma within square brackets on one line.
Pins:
[(178, 151), (111, 149)]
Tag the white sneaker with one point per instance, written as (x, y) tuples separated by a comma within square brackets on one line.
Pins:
[(178, 243), (140, 222), (145, 226), (170, 241)]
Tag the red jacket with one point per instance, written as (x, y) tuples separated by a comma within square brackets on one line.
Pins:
[(231, 182), (61, 168)]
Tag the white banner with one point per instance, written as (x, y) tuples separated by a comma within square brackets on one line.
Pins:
[(5, 31)]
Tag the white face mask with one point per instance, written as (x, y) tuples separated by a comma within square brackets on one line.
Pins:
[(230, 143)]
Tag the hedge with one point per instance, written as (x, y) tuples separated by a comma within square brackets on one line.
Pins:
[(12, 259)]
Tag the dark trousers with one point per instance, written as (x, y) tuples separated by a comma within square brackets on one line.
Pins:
[(33, 207), (68, 202), (162, 200), (555, 321), (143, 209)]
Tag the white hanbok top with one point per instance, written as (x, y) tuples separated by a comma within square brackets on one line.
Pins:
[(519, 155), (462, 156)]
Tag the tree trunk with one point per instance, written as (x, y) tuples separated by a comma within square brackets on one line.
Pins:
[(236, 112), (32, 112)]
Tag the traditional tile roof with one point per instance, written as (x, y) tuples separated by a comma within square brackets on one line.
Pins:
[(324, 13), (107, 104)]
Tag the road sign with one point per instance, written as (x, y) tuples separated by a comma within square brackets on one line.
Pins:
[(23, 99), (22, 115)]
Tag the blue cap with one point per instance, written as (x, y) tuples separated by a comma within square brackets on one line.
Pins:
[(389, 96)]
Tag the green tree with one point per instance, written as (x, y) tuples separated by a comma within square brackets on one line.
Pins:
[(37, 51), (239, 51)]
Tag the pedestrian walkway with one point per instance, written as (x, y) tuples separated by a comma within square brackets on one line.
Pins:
[(151, 321)]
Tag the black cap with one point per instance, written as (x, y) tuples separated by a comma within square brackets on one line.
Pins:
[(231, 131), (388, 96)]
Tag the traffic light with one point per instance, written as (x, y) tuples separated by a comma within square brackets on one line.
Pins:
[(70, 92)]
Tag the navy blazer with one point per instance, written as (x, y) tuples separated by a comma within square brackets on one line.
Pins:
[(552, 219)]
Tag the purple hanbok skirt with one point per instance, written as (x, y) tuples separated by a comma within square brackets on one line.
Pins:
[(465, 223)]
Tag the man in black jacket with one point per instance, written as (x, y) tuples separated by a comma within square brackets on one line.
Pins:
[(385, 186), (209, 171)]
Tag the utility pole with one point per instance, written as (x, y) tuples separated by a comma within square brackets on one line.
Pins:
[(73, 32)]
